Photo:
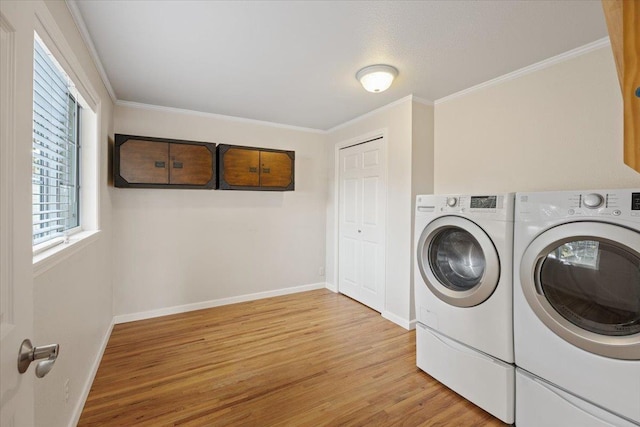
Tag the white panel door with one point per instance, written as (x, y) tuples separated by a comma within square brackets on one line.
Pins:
[(16, 272), (362, 206)]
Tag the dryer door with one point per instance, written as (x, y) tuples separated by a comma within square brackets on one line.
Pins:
[(582, 280), (458, 261)]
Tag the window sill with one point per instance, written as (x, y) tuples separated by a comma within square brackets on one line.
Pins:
[(53, 256)]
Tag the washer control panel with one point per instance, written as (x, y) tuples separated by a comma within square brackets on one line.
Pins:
[(592, 200), (635, 201), (498, 206), (476, 202)]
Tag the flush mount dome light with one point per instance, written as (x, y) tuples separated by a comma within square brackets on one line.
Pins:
[(377, 78)]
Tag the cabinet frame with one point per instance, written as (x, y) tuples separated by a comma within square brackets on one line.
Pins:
[(120, 182), (222, 184)]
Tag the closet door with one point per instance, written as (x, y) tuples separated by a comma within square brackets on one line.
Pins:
[(362, 205)]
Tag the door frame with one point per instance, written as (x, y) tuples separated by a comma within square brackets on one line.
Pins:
[(364, 138)]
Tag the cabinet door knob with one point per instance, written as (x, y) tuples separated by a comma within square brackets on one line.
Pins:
[(266, 170), (253, 170), (177, 165), (160, 165)]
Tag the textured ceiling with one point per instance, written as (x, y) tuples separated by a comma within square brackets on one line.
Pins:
[(294, 62)]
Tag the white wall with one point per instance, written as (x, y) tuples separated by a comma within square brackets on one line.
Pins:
[(554, 129), (422, 163), (73, 299), (402, 144), (180, 247)]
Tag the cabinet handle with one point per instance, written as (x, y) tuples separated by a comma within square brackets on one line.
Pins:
[(160, 164), (254, 170), (177, 165), (266, 170)]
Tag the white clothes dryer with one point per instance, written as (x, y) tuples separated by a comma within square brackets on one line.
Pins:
[(540, 403), (577, 305), (463, 294)]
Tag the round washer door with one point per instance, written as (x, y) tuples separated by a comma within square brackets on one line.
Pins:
[(458, 261), (582, 280)]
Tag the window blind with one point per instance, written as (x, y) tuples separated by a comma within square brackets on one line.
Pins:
[(55, 150)]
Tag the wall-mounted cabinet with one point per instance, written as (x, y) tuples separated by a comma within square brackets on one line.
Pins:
[(145, 162), (623, 22), (258, 169)]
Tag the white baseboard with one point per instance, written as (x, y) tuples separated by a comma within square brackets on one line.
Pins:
[(407, 324), (124, 318), (412, 324), (92, 375)]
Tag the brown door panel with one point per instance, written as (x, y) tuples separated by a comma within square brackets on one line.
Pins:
[(144, 162), (276, 169), (241, 167), (190, 164)]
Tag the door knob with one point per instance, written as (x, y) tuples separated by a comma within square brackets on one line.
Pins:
[(28, 353), (43, 368)]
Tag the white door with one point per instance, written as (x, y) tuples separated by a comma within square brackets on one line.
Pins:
[(362, 203), (16, 272)]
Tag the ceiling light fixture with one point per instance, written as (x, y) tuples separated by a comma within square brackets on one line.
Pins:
[(377, 78)]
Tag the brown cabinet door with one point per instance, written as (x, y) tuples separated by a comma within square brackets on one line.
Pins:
[(276, 169), (190, 164), (144, 162), (241, 167)]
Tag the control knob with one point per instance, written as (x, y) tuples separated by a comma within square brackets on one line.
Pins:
[(593, 200), (452, 201)]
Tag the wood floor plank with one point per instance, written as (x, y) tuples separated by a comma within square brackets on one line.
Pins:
[(309, 359)]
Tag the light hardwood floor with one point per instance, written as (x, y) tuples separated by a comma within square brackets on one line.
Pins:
[(308, 359)]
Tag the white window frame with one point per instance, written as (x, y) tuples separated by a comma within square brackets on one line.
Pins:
[(64, 237), (51, 253)]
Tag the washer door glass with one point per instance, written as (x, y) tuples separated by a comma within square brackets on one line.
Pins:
[(457, 259), (595, 285)]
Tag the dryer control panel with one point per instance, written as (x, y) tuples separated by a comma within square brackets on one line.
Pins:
[(597, 203)]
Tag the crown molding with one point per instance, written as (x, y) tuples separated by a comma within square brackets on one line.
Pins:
[(408, 98), (422, 101), (174, 110), (84, 33), (152, 107), (573, 53)]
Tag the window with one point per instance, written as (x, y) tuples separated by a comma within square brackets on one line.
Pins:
[(56, 134)]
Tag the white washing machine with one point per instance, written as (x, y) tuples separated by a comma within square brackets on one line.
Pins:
[(577, 308), (463, 294)]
